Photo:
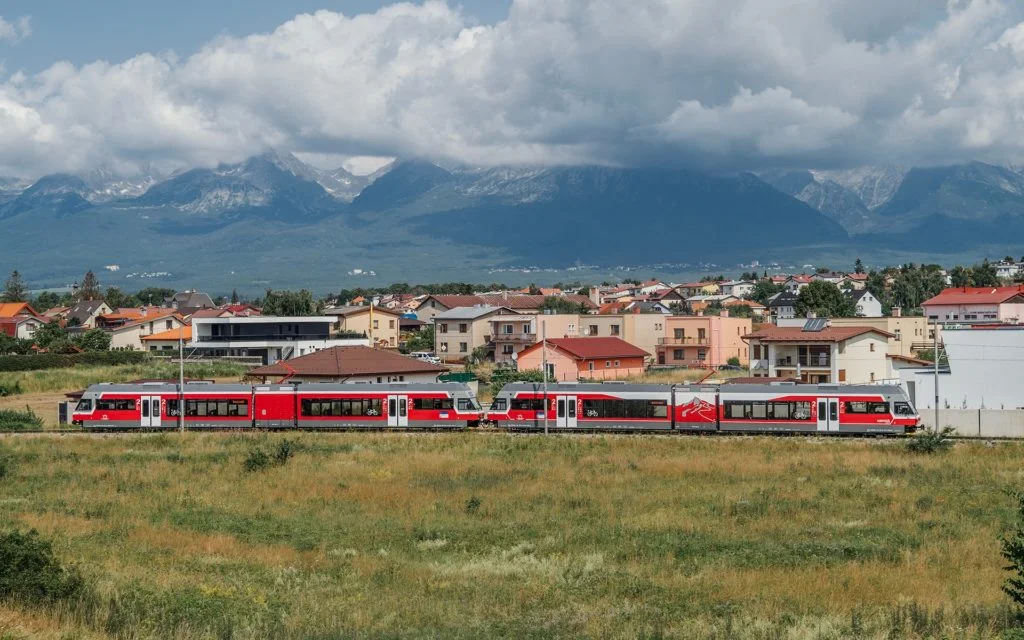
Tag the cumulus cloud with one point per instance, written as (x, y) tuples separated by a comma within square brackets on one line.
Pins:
[(15, 31), (717, 85)]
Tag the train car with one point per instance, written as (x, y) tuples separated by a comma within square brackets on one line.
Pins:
[(788, 408), (155, 406)]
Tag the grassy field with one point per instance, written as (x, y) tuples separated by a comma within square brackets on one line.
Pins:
[(492, 535)]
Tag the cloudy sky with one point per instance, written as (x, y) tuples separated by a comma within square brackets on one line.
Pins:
[(718, 85)]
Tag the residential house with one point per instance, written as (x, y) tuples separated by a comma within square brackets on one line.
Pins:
[(972, 305), (782, 306), (242, 310), (128, 337), (653, 287), (1009, 269), (168, 341), (17, 309), (432, 305), (691, 289), (794, 284), (21, 327), (737, 288), (188, 302), (378, 324), (867, 304), (569, 359), (819, 353), (700, 303), (857, 280), (408, 327), (84, 314), (459, 331), (703, 341), (350, 364), (834, 277), (910, 334), (756, 308), (270, 338), (511, 333)]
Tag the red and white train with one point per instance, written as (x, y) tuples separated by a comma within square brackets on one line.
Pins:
[(768, 408), (282, 406)]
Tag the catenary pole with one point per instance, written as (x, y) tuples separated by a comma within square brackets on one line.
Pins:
[(935, 351), (181, 378), (544, 368)]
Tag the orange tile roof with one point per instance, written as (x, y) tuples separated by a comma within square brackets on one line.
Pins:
[(589, 348), (977, 295), (11, 309), (185, 334)]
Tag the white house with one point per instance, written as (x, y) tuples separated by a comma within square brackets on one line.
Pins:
[(272, 338), (738, 288), (867, 304)]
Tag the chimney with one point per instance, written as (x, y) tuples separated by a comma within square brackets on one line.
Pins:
[(725, 313), (897, 312)]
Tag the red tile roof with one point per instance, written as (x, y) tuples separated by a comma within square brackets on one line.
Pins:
[(343, 362), (590, 348), (11, 309), (977, 295), (512, 300), (173, 334), (771, 333)]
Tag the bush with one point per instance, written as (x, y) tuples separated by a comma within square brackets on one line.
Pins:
[(931, 441), (501, 377), (31, 574), (62, 360), (6, 463), (258, 459), (11, 389), (733, 362), (13, 420), (1013, 551), (473, 504)]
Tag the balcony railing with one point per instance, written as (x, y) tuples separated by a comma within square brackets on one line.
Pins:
[(517, 338), (266, 337), (805, 361), (681, 342)]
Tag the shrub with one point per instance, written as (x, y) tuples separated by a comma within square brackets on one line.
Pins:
[(473, 504), (14, 420), (285, 450), (11, 389), (733, 361), (31, 574), (6, 463), (1013, 551), (931, 441), (60, 360), (258, 459)]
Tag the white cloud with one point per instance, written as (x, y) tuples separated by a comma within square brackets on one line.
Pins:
[(15, 31), (738, 85)]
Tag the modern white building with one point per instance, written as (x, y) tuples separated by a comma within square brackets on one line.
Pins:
[(738, 288), (269, 337)]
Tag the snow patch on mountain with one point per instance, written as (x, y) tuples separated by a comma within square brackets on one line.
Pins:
[(873, 185)]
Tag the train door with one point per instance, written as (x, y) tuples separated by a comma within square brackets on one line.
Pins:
[(398, 411), (566, 412), (150, 411), (828, 414)]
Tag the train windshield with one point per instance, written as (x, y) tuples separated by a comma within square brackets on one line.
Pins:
[(85, 404), (468, 404), (903, 409)]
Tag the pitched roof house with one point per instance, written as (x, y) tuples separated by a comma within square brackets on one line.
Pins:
[(350, 364), (570, 359), (15, 309), (867, 304), (435, 304), (188, 302), (977, 304), (820, 353), (85, 313)]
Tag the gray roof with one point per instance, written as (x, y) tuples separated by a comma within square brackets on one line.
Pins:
[(856, 294), (469, 313), (191, 300), (199, 387), (84, 310), (784, 299)]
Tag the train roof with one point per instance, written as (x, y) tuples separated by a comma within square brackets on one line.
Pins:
[(555, 388), (201, 387)]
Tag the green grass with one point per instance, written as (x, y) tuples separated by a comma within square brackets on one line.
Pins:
[(51, 380), (490, 535)]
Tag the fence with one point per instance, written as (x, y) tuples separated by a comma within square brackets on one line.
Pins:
[(978, 423)]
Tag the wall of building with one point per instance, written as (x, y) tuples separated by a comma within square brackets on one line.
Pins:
[(565, 368), (384, 326), (909, 330), (454, 345), (608, 368), (978, 423), (863, 359), (723, 339), (644, 330)]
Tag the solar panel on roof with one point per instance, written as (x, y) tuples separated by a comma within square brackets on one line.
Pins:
[(815, 324)]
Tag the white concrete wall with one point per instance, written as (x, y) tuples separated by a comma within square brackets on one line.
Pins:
[(978, 423)]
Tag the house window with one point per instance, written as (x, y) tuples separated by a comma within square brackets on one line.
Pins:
[(376, 324), (616, 363), (463, 347), (593, 330), (657, 327), (590, 366), (701, 334), (508, 328), (607, 364), (872, 347), (897, 333), (702, 354), (615, 329), (679, 334), (508, 349), (757, 352), (463, 327), (391, 324), (443, 328), (872, 376), (677, 354), (170, 325)]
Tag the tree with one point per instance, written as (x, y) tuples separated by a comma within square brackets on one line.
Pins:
[(823, 270), (533, 290), (824, 299), (985, 275), (234, 296), (46, 300), (1013, 551), (93, 340), (960, 276), (117, 299), (558, 304), (422, 340), (53, 338), (764, 289), (858, 266), (15, 346), (289, 303), (14, 289), (90, 287), (584, 291), (154, 296)]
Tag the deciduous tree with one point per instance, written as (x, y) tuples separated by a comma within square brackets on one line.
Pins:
[(824, 299)]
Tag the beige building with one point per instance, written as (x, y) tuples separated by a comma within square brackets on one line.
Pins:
[(458, 331), (910, 333), (382, 325), (703, 341), (854, 354), (128, 337)]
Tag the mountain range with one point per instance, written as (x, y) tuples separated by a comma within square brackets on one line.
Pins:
[(275, 219)]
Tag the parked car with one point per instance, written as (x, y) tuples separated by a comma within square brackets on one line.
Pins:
[(426, 356)]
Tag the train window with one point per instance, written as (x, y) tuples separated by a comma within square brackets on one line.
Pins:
[(779, 410), (749, 410), (336, 407), (561, 407), (625, 409), (867, 407), (145, 409), (801, 410), (210, 408), (85, 404), (115, 405), (527, 404), (432, 404), (172, 408), (468, 404), (499, 404), (759, 410), (903, 409), (736, 410)]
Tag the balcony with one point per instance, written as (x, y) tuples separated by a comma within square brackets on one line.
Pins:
[(516, 338), (682, 342), (814, 361), (264, 337)]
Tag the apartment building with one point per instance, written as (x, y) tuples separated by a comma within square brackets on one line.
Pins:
[(458, 331), (819, 353), (703, 341)]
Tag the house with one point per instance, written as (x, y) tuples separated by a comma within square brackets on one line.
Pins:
[(242, 310), (17, 309), (911, 334), (188, 302), (653, 287), (820, 353), (271, 338), (977, 304), (691, 289), (219, 312), (1009, 269), (700, 303), (794, 284), (756, 308), (167, 341), (511, 333), (128, 337), (21, 327), (432, 305), (408, 326), (84, 313), (459, 331), (782, 306), (350, 364), (857, 280), (867, 304), (737, 288), (834, 277), (703, 341), (569, 359), (378, 324)]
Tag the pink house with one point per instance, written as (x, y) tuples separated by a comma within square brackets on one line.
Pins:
[(977, 304), (570, 359), (703, 341)]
